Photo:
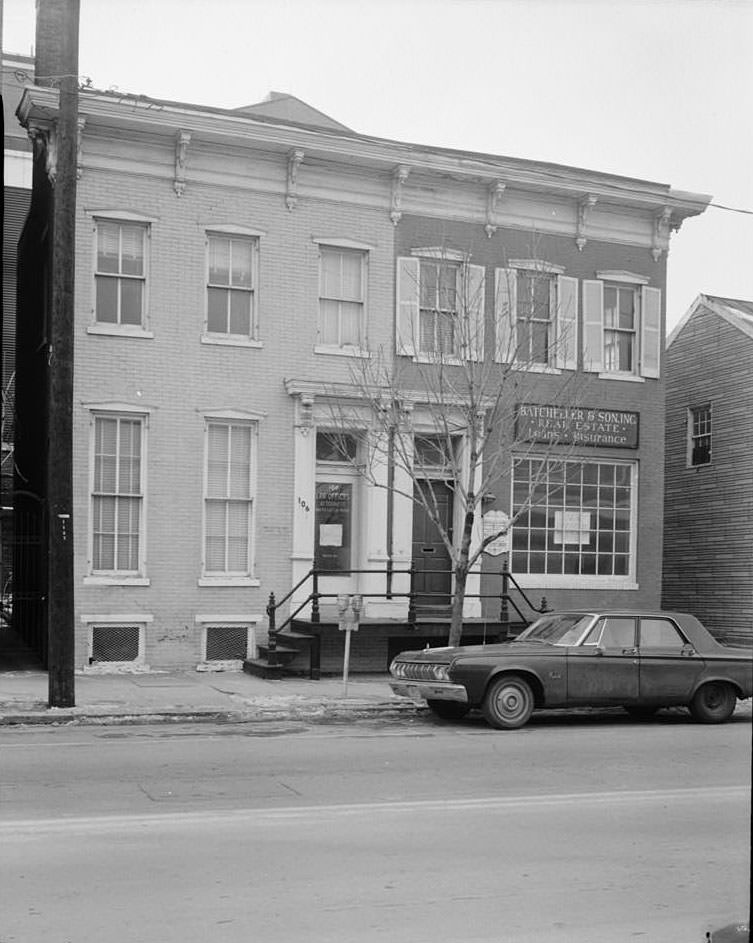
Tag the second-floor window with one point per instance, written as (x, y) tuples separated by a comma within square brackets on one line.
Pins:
[(438, 308), (120, 276), (699, 435), (231, 286), (342, 296), (621, 320), (535, 324)]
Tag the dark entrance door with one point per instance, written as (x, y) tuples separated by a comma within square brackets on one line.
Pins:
[(433, 581)]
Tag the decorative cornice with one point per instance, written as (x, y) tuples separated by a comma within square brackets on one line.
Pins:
[(295, 159), (494, 194), (399, 176), (584, 207), (182, 140)]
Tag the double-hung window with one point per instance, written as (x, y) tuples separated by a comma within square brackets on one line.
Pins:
[(117, 536), (536, 316), (440, 307), (342, 297), (231, 286), (229, 498), (621, 326), (699, 435), (120, 273)]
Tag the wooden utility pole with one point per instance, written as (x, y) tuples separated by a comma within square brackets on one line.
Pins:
[(57, 66)]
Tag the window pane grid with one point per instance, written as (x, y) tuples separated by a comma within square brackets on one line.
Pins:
[(438, 309), (573, 518), (534, 317), (621, 314), (700, 435)]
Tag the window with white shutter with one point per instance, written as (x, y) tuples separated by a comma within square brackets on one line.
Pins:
[(621, 326)]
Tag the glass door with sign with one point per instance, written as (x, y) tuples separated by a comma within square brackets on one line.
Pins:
[(335, 510)]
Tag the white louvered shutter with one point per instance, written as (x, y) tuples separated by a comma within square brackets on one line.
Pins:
[(566, 353), (406, 306), (505, 305), (475, 309), (593, 325), (650, 331)]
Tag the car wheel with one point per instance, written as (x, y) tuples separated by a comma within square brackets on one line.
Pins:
[(640, 713), (508, 703), (448, 710), (713, 703)]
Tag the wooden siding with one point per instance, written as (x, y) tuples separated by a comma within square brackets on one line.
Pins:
[(708, 510)]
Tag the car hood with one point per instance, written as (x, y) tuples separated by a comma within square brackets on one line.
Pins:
[(444, 656)]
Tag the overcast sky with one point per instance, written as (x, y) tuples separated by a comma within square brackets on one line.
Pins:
[(656, 89)]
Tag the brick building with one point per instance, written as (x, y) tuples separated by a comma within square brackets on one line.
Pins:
[(235, 268), (708, 518)]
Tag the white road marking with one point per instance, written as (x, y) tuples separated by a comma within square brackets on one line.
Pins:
[(271, 816)]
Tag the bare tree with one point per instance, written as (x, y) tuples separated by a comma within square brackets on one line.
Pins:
[(448, 409)]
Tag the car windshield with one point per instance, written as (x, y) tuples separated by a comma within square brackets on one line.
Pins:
[(557, 629)]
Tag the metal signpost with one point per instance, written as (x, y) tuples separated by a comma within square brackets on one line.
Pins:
[(349, 608)]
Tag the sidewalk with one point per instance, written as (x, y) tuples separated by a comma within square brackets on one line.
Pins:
[(183, 696)]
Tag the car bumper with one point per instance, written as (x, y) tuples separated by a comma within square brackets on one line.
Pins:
[(430, 690)]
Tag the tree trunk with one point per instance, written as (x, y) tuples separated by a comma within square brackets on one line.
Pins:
[(461, 577)]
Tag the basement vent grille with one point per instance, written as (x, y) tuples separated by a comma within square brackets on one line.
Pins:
[(115, 643), (227, 642)]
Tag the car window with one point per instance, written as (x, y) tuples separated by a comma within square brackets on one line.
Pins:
[(612, 632), (660, 633)]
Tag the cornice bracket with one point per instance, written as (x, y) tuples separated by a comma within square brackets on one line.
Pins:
[(584, 208), (44, 141), (79, 147), (182, 140), (662, 225), (399, 175), (295, 159), (494, 194)]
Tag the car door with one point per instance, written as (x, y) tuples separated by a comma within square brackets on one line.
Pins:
[(669, 664), (603, 669)]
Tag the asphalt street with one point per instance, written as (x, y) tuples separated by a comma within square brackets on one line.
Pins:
[(571, 830)]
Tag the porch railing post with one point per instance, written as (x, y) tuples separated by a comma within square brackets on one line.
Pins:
[(412, 598), (504, 611), (315, 617), (271, 630)]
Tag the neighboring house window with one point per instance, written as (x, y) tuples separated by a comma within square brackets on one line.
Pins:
[(342, 294), (117, 495), (536, 316), (120, 274), (229, 499), (231, 286), (699, 435), (621, 325), (440, 307), (573, 517)]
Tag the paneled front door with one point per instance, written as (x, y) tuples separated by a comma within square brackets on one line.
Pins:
[(431, 558)]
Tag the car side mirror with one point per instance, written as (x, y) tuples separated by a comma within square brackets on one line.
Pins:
[(598, 650), (687, 650)]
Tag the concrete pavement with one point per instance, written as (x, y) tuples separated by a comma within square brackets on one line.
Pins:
[(175, 696)]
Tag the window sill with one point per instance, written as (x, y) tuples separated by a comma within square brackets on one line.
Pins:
[(355, 352), (115, 580), (626, 377), (536, 368), (570, 581), (438, 360), (221, 340), (228, 581), (119, 330)]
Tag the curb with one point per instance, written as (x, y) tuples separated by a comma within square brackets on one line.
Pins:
[(321, 712)]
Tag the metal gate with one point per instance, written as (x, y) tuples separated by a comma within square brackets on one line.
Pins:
[(23, 571)]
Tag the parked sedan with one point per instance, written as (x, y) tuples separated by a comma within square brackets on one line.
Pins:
[(642, 661)]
